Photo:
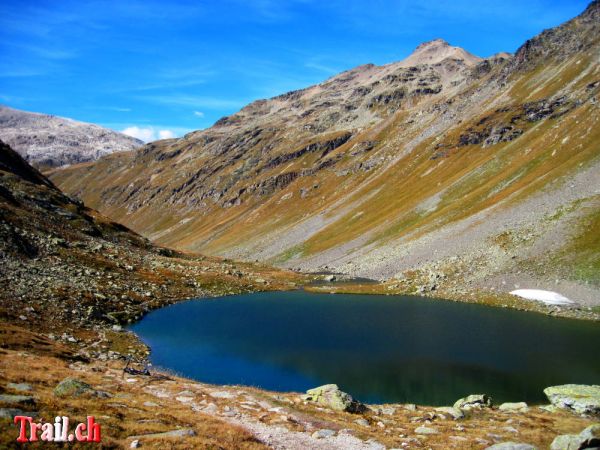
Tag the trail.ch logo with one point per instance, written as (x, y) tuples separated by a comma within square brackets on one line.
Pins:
[(58, 431)]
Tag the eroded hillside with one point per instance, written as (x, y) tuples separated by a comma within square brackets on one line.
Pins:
[(460, 171)]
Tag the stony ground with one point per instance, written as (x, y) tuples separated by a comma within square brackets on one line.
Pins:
[(196, 415), (71, 278)]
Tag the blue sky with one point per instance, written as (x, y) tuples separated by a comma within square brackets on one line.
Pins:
[(163, 68)]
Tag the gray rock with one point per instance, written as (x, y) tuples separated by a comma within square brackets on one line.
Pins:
[(514, 407), (589, 438), (426, 430), (362, 422), (17, 399), (455, 413), (9, 413), (332, 397), (474, 401), (70, 387), (323, 434), (221, 394), (579, 398), (211, 409), (388, 410), (21, 387), (511, 446)]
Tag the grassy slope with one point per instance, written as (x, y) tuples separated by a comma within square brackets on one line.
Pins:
[(415, 195)]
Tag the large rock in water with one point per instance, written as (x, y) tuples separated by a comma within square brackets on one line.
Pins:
[(332, 397), (474, 401), (588, 438), (580, 398)]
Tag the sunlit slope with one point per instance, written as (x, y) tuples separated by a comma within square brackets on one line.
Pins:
[(384, 169)]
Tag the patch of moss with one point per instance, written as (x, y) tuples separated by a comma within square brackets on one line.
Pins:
[(583, 251), (295, 251)]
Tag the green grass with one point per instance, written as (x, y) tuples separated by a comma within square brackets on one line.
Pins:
[(584, 248), (296, 250)]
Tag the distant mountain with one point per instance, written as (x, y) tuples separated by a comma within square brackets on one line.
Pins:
[(445, 169), (50, 141)]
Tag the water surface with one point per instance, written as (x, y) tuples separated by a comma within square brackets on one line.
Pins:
[(378, 348)]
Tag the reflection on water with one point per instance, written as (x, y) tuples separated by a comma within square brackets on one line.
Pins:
[(378, 348)]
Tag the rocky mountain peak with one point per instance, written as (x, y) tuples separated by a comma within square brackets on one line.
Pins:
[(48, 141), (434, 43), (437, 50), (577, 36)]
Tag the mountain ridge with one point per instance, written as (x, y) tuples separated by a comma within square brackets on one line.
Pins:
[(388, 172), (49, 141)]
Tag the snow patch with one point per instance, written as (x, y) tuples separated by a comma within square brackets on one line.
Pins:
[(548, 297)]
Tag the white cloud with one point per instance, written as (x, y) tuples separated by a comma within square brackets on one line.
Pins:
[(143, 134), (198, 113), (148, 134), (166, 134)]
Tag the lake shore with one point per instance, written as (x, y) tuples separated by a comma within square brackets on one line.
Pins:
[(478, 296), (84, 283), (144, 408)]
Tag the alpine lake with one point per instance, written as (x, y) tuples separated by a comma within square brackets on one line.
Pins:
[(381, 349)]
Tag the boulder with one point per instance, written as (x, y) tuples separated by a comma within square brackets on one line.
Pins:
[(323, 434), (514, 407), (579, 398), (362, 422), (70, 387), (17, 399), (332, 397), (588, 438), (9, 413), (511, 446), (474, 401), (21, 387), (451, 411), (426, 430)]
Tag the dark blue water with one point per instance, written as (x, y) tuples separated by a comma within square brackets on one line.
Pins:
[(378, 348)]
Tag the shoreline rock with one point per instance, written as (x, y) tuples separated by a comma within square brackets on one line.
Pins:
[(579, 398), (330, 396)]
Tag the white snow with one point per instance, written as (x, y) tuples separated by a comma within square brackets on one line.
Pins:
[(548, 297)]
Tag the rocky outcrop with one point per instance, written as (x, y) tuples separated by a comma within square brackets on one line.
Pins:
[(474, 401), (330, 396), (70, 387), (578, 398), (514, 407), (562, 41), (589, 438)]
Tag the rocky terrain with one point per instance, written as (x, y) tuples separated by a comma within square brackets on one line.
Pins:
[(50, 141), (158, 410), (445, 173), (61, 257), (71, 278)]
